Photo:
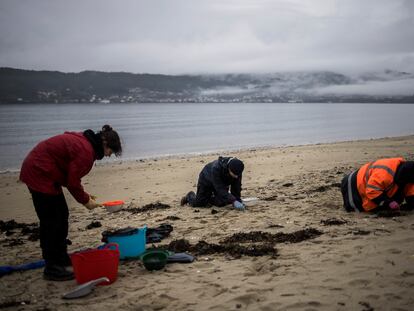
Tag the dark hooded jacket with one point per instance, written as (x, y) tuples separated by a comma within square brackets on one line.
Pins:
[(215, 175)]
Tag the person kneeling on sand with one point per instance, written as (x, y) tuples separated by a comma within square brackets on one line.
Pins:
[(213, 184), (59, 161), (380, 185)]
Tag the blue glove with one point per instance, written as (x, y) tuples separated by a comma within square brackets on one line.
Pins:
[(238, 206)]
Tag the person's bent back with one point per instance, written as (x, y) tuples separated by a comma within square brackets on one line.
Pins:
[(378, 185), (214, 183)]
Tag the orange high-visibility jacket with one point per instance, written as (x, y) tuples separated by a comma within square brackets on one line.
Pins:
[(376, 178)]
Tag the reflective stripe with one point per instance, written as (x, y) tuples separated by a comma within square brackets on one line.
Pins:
[(351, 199), (229, 160), (374, 187), (367, 172), (390, 171)]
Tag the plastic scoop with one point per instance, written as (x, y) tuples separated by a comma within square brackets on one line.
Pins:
[(114, 206), (250, 201), (84, 289)]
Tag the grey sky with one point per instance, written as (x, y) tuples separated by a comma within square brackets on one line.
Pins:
[(211, 36)]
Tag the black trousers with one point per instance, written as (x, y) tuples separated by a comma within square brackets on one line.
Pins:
[(352, 199), (53, 214), (206, 195)]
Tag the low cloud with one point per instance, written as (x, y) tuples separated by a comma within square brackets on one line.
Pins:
[(185, 36), (383, 88)]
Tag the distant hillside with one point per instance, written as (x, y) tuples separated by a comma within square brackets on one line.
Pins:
[(20, 86)]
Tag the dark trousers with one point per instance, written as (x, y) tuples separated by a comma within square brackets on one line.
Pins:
[(53, 214), (352, 199), (206, 195)]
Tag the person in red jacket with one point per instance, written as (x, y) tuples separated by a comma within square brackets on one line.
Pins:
[(61, 161), (380, 185)]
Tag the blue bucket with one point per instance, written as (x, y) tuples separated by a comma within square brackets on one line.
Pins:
[(131, 244)]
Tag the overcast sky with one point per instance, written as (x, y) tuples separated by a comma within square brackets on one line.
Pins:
[(211, 36)]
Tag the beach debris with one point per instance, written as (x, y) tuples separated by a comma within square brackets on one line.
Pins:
[(12, 242), (360, 232), (259, 243), (146, 208), (13, 303), (233, 249), (179, 246), (214, 211), (172, 218), (324, 188), (388, 213), (274, 226), (260, 236), (271, 198), (94, 224), (333, 222), (10, 227), (366, 305), (31, 229), (288, 184)]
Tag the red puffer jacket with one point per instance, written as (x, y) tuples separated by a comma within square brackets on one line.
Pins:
[(59, 161)]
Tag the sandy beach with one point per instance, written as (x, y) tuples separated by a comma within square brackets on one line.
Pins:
[(355, 262)]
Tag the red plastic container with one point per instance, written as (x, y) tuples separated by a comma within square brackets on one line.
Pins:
[(96, 263)]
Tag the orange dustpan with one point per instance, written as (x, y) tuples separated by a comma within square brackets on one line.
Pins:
[(113, 206)]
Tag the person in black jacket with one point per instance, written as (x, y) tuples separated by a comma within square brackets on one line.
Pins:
[(214, 182)]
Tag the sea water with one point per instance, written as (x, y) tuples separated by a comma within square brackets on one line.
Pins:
[(157, 129)]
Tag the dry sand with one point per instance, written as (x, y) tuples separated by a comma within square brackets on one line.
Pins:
[(367, 263)]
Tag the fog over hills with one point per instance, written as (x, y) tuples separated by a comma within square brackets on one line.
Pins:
[(19, 86)]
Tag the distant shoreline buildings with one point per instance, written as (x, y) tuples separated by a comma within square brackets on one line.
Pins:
[(25, 86)]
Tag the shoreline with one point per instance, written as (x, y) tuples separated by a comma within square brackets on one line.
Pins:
[(120, 161)]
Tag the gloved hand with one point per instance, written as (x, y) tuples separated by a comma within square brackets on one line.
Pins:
[(91, 204), (239, 206), (394, 205)]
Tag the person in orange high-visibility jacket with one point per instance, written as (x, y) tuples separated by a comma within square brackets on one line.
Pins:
[(379, 185)]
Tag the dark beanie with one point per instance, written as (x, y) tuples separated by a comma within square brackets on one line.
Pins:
[(236, 166), (405, 173)]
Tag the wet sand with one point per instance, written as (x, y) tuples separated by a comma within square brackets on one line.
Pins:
[(357, 262)]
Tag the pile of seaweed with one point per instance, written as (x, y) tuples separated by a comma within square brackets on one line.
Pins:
[(232, 249), (11, 227), (280, 237), (259, 243), (333, 222)]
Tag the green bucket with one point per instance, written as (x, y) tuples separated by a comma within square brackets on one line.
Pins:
[(154, 259)]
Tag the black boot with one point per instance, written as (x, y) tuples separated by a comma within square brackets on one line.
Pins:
[(65, 261), (188, 198), (55, 272)]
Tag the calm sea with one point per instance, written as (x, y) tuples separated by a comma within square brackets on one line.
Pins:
[(149, 130)]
